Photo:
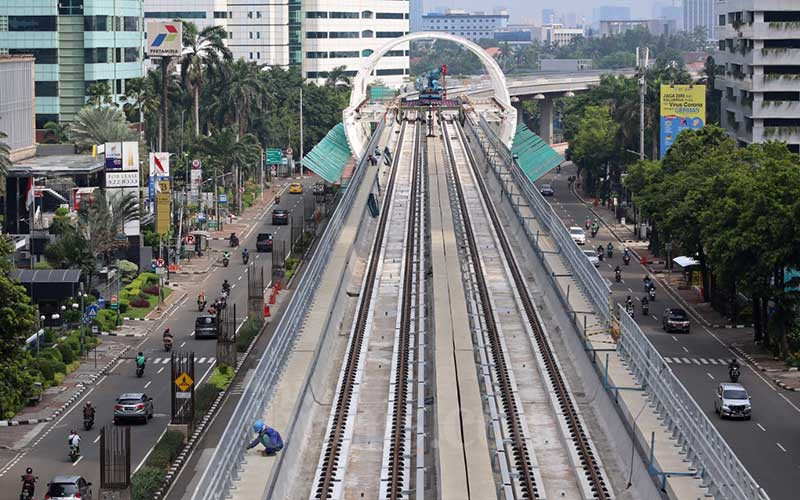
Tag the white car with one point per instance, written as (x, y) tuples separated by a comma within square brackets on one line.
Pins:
[(592, 256), (578, 235)]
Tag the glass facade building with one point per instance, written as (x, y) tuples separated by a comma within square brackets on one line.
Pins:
[(76, 43)]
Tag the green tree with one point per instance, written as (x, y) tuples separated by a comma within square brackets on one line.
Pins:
[(594, 144), (98, 94), (102, 221), (5, 156), (17, 319), (57, 133), (338, 76), (227, 152), (201, 49), (72, 251), (100, 125)]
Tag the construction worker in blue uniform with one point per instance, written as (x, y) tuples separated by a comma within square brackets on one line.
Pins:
[(268, 437)]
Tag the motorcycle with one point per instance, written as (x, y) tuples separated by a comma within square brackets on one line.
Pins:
[(168, 344), (618, 275), (73, 453), (201, 305), (27, 489), (277, 200), (647, 284), (594, 231), (652, 293), (587, 224), (629, 309), (610, 250), (140, 370), (733, 373), (88, 422), (645, 308), (234, 241), (600, 252), (626, 259), (245, 258), (225, 261)]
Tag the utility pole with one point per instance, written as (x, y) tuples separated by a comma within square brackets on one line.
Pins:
[(164, 79), (642, 54), (301, 123)]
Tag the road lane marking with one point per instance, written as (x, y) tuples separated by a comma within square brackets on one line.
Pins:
[(710, 376), (202, 360), (686, 360), (695, 361), (685, 349), (656, 319), (233, 286), (781, 447), (161, 369), (673, 337), (148, 384), (81, 458), (239, 278), (790, 403), (96, 439), (761, 427), (704, 361), (184, 342)]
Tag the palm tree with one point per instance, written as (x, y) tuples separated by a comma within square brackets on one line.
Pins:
[(102, 221), (99, 94), (100, 125), (200, 50), (141, 99), (5, 156), (338, 77), (229, 152), (241, 91), (59, 133)]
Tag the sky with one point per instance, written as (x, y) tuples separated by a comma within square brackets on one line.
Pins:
[(520, 9)]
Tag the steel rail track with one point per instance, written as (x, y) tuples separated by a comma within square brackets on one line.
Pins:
[(398, 465), (577, 433), (341, 414)]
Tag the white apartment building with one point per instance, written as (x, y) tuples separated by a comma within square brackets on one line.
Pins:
[(697, 13), (265, 31), (557, 34), (759, 49), (472, 26), (338, 33)]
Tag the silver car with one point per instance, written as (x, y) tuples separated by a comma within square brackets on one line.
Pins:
[(69, 488), (732, 401), (133, 406), (592, 256)]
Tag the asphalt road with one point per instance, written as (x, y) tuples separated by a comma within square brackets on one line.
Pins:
[(768, 444), (47, 452)]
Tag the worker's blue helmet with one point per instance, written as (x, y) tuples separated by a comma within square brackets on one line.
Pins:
[(258, 426)]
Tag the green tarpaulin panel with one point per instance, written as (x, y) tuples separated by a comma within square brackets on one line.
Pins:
[(329, 157), (534, 156)]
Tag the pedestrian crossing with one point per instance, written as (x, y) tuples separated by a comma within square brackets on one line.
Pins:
[(164, 361), (675, 360)]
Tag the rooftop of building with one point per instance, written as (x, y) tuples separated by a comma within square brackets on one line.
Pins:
[(4, 58), (56, 165), (462, 13)]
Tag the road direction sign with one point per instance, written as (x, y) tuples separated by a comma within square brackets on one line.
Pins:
[(101, 301), (91, 310), (274, 156), (184, 382), (223, 198), (183, 395)]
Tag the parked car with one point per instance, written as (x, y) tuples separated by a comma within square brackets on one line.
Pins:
[(675, 319), (578, 235), (732, 401), (133, 406), (206, 327), (295, 188), (546, 190), (319, 188), (69, 488), (280, 217), (264, 242), (592, 256)]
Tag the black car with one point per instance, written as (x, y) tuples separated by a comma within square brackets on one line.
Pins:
[(264, 242), (205, 327), (546, 190), (280, 217), (675, 319)]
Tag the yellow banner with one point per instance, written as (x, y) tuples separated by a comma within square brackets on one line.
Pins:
[(682, 107), (162, 213)]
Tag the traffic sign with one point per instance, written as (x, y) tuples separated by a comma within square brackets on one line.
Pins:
[(274, 156), (160, 262), (195, 164), (184, 382), (189, 239), (91, 310), (223, 198), (86, 319), (114, 304), (288, 151), (101, 301)]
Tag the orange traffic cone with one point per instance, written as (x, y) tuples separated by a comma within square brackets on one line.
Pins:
[(266, 311), (278, 285), (272, 298)]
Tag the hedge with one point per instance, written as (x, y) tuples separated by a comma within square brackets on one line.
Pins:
[(67, 354), (221, 377), (106, 319), (203, 397), (166, 450), (249, 330), (146, 481)]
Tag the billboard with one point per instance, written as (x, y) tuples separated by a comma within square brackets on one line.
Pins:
[(196, 183), (113, 155), (164, 39), (159, 164), (130, 156), (683, 107), (129, 179)]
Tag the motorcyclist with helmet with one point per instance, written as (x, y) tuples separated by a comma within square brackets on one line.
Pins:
[(28, 484)]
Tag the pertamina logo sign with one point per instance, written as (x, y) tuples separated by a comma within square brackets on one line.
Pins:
[(164, 38)]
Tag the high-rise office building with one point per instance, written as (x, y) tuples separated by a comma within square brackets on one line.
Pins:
[(612, 12), (338, 33), (202, 13), (76, 43), (415, 12), (699, 13), (759, 49), (264, 31), (472, 26)]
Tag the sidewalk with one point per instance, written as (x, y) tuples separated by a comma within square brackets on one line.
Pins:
[(57, 399), (738, 336)]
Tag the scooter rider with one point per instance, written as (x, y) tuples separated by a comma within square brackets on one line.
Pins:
[(167, 336), (140, 361), (245, 255), (618, 273), (88, 411), (74, 441), (734, 364), (226, 287), (595, 227), (645, 305), (29, 483)]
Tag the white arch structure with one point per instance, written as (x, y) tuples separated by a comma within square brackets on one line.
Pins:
[(357, 135)]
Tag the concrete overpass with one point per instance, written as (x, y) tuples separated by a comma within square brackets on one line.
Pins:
[(544, 87)]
